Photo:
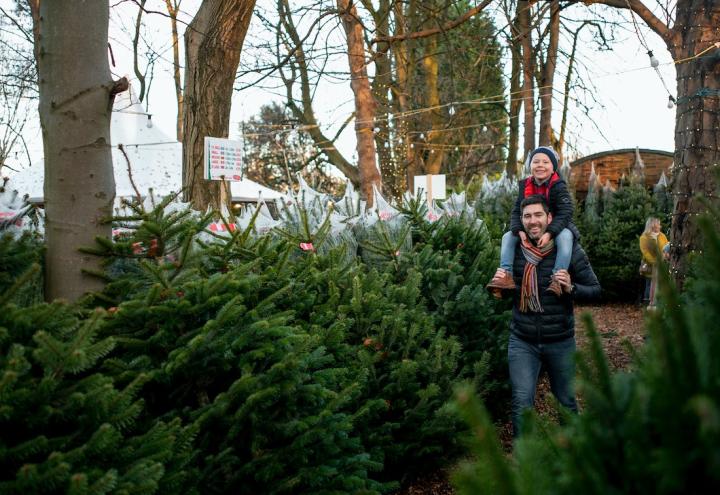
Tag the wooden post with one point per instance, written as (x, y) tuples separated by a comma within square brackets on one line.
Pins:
[(428, 188)]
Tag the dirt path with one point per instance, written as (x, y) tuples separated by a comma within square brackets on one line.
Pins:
[(616, 324)]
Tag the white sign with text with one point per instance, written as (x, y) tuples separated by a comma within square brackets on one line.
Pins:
[(223, 159)]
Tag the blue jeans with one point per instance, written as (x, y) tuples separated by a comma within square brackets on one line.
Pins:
[(507, 250), (563, 245), (525, 360)]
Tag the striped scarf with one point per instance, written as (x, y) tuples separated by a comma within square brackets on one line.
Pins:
[(529, 293)]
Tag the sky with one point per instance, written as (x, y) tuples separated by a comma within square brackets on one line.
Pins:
[(631, 108)]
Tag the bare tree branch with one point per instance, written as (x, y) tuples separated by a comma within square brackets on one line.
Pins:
[(643, 12), (433, 31)]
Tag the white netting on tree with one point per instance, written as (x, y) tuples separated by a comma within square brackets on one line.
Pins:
[(662, 195), (16, 215), (637, 175), (593, 200), (608, 191), (457, 205), (497, 197)]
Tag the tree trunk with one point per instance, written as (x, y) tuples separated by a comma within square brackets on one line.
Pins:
[(213, 42), (566, 95), (528, 91), (304, 113), (403, 77), (434, 158), (135, 43), (515, 103), (76, 94), (548, 77), (364, 102), (392, 177), (173, 7), (697, 141)]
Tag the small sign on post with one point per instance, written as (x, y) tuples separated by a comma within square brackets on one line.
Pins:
[(223, 159), (433, 185)]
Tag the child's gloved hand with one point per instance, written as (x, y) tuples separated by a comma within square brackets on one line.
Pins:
[(542, 242)]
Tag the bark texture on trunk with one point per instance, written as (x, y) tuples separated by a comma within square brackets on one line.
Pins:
[(403, 77), (697, 138), (515, 102), (213, 42), (364, 101), (434, 157), (392, 177), (173, 7), (76, 93), (545, 137), (528, 88)]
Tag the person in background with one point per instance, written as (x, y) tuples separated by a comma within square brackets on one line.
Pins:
[(652, 243), (545, 181)]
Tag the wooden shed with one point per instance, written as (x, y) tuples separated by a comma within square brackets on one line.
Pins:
[(612, 165)]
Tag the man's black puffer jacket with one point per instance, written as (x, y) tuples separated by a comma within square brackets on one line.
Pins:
[(557, 320)]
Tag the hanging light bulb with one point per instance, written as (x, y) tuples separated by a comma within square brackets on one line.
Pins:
[(484, 128), (149, 122), (671, 101), (654, 62), (451, 110)]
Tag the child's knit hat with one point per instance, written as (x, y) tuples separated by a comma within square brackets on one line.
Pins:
[(547, 150)]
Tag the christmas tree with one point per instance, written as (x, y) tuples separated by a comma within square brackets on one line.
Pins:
[(67, 426)]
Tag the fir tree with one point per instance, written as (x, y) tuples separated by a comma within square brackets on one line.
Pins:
[(614, 251), (66, 426)]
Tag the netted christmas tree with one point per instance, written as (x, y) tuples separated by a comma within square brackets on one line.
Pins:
[(663, 201), (495, 203)]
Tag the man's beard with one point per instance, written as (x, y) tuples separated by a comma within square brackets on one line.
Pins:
[(535, 240)]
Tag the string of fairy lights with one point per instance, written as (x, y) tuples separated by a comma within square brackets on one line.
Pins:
[(420, 139)]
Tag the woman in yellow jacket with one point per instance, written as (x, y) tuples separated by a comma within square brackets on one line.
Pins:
[(652, 241)]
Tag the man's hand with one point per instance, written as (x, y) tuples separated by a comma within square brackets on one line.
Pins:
[(542, 242), (500, 273), (563, 278), (523, 236)]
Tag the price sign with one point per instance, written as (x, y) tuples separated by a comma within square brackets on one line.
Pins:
[(223, 159)]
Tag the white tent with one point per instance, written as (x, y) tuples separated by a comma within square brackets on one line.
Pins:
[(155, 160)]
